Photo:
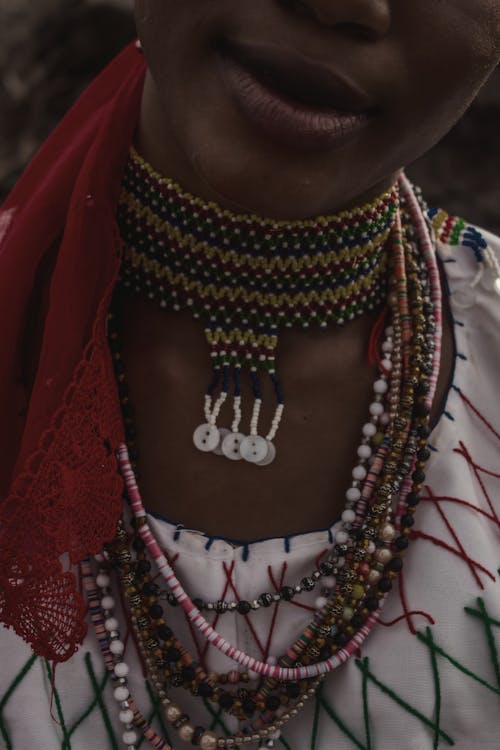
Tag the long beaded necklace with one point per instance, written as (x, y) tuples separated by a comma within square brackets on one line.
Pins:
[(375, 540), (246, 278)]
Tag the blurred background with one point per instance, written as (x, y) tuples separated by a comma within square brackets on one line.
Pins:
[(51, 49)]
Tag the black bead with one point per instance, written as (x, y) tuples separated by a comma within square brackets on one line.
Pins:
[(205, 690), (172, 600), (341, 549), (143, 567), (150, 589), (173, 654), (401, 542), (418, 476), (341, 639), (220, 607), (292, 689), (423, 454), (385, 585), (422, 389), (357, 621), (156, 611), (164, 632), (177, 680), (266, 600), (199, 604), (407, 521), (307, 583), (396, 564), (138, 544), (272, 703), (198, 734), (287, 593), (423, 431), (226, 700), (243, 607), (371, 603), (248, 706), (326, 568), (188, 674), (412, 499)]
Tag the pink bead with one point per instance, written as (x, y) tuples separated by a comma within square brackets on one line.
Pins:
[(233, 677)]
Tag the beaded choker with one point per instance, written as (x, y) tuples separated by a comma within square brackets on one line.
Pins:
[(246, 278)]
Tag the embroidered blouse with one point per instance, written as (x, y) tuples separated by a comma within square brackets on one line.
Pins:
[(429, 674)]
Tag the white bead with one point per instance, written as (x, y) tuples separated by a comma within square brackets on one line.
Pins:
[(206, 437), (107, 602), (231, 446), (341, 537), (117, 647), (111, 624), (121, 669), (376, 409), (353, 494), (329, 582), (121, 693), (385, 419), (364, 451), (387, 364), (359, 473), (348, 516), (130, 738), (387, 346), (320, 602), (371, 548), (103, 580), (380, 387), (126, 717), (369, 429), (253, 675)]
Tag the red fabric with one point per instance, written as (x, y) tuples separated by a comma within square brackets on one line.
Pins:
[(59, 477)]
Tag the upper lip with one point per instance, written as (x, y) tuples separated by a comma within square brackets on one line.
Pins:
[(300, 77)]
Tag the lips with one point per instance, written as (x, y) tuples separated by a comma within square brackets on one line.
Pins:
[(292, 100)]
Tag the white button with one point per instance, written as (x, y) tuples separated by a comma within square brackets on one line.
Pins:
[(231, 446), (206, 437), (223, 433), (254, 449), (271, 454)]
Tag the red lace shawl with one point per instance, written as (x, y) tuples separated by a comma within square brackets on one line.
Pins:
[(59, 482)]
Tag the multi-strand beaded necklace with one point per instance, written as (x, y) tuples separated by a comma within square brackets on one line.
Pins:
[(246, 278), (367, 552)]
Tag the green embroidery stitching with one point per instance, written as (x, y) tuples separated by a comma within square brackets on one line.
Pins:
[(8, 694), (363, 666), (487, 621)]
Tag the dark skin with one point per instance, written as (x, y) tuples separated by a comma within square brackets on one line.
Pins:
[(423, 63)]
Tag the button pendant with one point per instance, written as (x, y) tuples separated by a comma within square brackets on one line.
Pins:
[(271, 454), (231, 446), (206, 437), (254, 449), (223, 433)]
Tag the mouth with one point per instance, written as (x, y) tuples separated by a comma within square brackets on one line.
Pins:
[(293, 100)]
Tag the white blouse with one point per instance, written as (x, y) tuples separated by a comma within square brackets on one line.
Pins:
[(427, 677)]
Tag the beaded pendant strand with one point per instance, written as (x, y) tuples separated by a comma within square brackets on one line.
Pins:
[(246, 278)]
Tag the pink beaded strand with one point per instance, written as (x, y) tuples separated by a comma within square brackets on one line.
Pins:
[(228, 649)]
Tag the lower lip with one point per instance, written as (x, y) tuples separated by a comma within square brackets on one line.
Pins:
[(285, 121)]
